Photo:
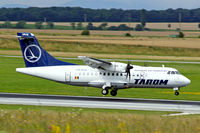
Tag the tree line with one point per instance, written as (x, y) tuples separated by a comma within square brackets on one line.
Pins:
[(74, 26), (79, 26), (23, 25), (78, 14)]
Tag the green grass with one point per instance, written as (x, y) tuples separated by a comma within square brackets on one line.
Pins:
[(77, 109), (151, 29), (13, 82), (32, 119)]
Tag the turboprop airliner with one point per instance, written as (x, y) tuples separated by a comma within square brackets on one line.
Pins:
[(109, 76)]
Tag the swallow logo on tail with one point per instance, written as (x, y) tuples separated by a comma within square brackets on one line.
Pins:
[(31, 56)]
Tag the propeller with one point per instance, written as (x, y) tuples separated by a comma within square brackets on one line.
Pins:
[(128, 68)]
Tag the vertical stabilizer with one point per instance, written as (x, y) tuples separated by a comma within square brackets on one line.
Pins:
[(34, 55)]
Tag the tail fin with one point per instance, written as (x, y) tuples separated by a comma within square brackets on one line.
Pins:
[(34, 55)]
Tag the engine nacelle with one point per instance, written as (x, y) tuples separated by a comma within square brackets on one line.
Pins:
[(117, 67), (104, 65)]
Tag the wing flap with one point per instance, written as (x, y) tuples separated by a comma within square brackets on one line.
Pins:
[(95, 63)]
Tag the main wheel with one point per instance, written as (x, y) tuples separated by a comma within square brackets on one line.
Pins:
[(113, 92), (104, 91), (176, 93)]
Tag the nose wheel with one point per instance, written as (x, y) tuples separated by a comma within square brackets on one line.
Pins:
[(176, 93)]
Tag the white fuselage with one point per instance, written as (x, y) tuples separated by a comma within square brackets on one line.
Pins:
[(142, 77)]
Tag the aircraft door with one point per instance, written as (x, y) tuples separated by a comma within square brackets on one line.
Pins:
[(68, 76)]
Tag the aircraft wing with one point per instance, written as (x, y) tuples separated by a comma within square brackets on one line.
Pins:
[(95, 63)]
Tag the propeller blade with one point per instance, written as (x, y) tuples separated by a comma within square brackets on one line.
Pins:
[(128, 72)]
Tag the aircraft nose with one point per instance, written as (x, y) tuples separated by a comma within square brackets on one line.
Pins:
[(186, 81)]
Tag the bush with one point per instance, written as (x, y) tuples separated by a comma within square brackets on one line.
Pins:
[(102, 26), (7, 24), (181, 35), (79, 26), (121, 27), (38, 25), (127, 34), (50, 25), (20, 24), (113, 28), (73, 25), (178, 29), (90, 26), (124, 27), (139, 27), (85, 32)]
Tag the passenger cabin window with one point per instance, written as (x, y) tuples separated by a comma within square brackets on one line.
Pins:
[(108, 74)]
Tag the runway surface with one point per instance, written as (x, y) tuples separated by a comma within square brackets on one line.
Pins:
[(146, 61), (185, 107)]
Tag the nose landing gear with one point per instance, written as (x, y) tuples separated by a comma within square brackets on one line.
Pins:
[(176, 91)]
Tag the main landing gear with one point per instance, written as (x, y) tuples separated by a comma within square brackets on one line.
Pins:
[(176, 91), (113, 92), (106, 91)]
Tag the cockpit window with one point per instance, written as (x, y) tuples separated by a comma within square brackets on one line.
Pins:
[(173, 72), (177, 72)]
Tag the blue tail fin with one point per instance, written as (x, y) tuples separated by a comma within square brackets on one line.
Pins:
[(34, 55)]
